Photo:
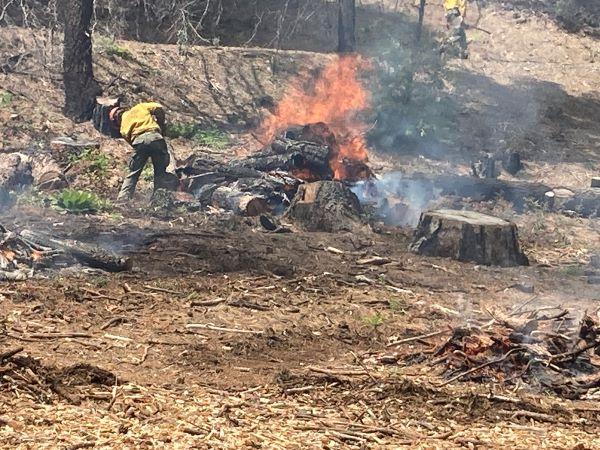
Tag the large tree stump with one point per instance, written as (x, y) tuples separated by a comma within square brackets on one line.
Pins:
[(468, 236), (325, 206)]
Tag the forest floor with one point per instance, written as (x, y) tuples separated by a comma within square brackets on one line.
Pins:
[(290, 347)]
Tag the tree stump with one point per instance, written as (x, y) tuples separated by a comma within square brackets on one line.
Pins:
[(325, 206), (468, 236)]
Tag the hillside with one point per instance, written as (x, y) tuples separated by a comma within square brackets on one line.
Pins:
[(238, 331)]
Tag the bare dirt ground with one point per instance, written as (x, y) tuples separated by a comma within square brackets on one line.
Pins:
[(225, 336)]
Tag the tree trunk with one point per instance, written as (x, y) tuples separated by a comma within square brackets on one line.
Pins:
[(347, 26), (81, 89), (468, 236)]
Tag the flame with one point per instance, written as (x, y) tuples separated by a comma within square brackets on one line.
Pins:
[(334, 98)]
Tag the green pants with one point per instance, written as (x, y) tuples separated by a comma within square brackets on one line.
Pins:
[(457, 38), (157, 151)]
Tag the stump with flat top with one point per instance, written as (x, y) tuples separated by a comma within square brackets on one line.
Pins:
[(328, 206), (468, 236)]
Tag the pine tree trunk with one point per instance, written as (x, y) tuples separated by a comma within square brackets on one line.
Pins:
[(347, 26), (81, 89)]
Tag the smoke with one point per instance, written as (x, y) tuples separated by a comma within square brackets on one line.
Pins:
[(397, 200)]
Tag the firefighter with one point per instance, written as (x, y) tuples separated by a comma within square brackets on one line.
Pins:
[(456, 11), (143, 127)]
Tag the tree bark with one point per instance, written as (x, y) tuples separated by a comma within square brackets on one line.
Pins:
[(468, 236), (327, 206), (347, 26), (81, 89)]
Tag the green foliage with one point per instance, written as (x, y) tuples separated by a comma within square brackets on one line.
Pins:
[(374, 320), (6, 99), (108, 46), (148, 173), (78, 202), (573, 271), (32, 197), (212, 138), (97, 162), (398, 306), (207, 137)]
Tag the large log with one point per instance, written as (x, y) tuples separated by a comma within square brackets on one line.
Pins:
[(242, 203), (86, 254), (468, 236), (325, 206)]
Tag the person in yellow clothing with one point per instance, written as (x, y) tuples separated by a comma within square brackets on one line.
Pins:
[(456, 11), (143, 127)]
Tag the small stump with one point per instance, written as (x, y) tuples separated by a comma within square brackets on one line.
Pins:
[(468, 236), (325, 206)]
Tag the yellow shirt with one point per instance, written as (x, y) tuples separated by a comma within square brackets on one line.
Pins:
[(461, 5), (141, 119)]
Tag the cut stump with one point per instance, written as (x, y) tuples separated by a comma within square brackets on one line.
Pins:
[(325, 206), (468, 236)]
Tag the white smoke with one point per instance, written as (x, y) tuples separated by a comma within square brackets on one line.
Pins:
[(397, 200)]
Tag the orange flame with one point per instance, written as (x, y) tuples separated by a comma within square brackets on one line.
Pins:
[(334, 98)]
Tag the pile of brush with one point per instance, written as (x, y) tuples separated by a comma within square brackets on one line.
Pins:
[(20, 257), (556, 351)]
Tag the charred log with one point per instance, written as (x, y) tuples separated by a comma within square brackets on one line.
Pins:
[(86, 254), (468, 236), (325, 206)]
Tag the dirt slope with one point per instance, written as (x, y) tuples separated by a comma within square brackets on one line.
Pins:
[(290, 350)]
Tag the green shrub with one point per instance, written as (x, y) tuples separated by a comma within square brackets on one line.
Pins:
[(207, 137), (212, 138), (108, 46), (374, 320), (148, 173), (98, 163), (78, 202), (573, 270), (6, 99)]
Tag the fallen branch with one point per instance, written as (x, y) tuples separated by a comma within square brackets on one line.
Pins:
[(208, 326), (215, 302), (417, 338), (10, 353), (336, 373), (482, 366)]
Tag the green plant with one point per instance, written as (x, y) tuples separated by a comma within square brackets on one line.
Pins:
[(211, 137), (398, 306), (78, 202), (374, 320), (573, 270), (108, 46), (148, 173), (6, 99), (98, 163), (181, 130)]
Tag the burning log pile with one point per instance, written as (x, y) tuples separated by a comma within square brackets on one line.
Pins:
[(545, 351), (268, 181), (23, 255)]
